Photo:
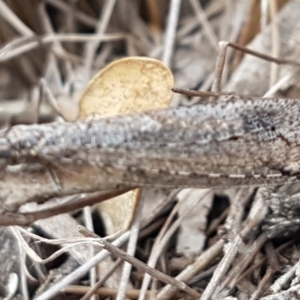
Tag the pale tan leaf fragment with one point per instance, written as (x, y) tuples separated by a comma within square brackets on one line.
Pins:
[(128, 85), (133, 84)]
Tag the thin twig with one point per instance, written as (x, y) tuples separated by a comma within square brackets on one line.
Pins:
[(134, 233), (91, 47), (143, 267), (8, 15), (98, 284), (174, 11)]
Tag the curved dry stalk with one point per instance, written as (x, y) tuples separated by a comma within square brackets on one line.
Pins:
[(143, 267), (134, 233)]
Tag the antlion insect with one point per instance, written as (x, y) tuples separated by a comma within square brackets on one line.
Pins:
[(237, 142)]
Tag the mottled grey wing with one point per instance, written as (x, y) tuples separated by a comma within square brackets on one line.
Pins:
[(241, 142)]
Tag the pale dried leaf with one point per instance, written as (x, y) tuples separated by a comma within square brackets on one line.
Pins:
[(128, 85), (133, 84), (118, 211)]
